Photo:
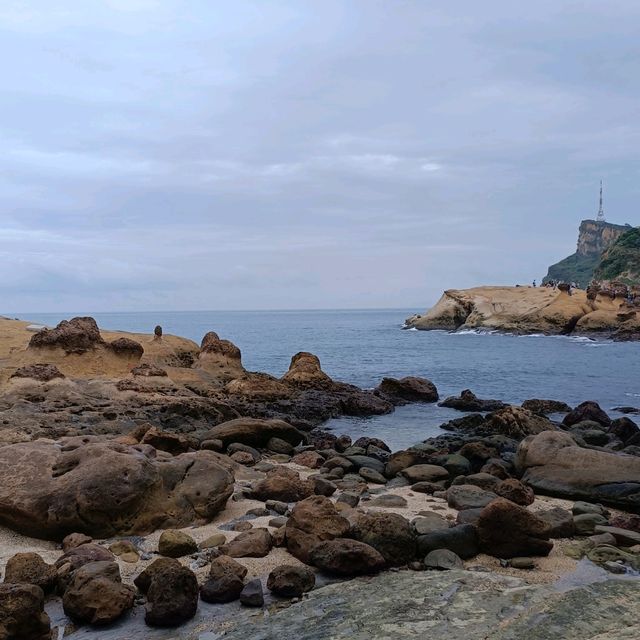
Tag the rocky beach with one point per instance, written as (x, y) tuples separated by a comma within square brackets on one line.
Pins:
[(152, 487)]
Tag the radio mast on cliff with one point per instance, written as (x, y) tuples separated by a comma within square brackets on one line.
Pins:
[(600, 217)]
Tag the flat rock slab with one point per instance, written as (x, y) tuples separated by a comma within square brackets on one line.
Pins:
[(451, 605)]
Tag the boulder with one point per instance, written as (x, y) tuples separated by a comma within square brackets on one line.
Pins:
[(409, 389), (30, 568), (291, 581), (312, 521), (427, 522), (442, 560), (507, 530), (40, 372), (425, 473), (220, 356), (254, 432), (461, 540), (173, 443), (175, 544), (346, 557), (156, 568), (50, 489), (252, 594), (282, 484), (255, 543), (559, 522), (75, 540), (305, 371), (390, 534), (172, 596), (623, 428), (468, 496), (278, 445), (77, 335), (147, 370), (310, 459), (22, 615), (516, 422), (96, 595), (468, 401), (126, 348), (225, 582), (545, 407), (516, 491), (587, 411), (553, 464)]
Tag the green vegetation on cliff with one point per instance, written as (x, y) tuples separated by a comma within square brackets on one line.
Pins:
[(621, 261), (575, 268)]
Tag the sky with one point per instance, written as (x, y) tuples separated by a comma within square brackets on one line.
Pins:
[(172, 155)]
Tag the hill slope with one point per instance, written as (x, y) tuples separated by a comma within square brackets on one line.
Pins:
[(621, 261)]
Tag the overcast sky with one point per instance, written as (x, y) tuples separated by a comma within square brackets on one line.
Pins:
[(202, 154)]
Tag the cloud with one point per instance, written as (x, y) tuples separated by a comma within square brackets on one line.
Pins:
[(291, 154)]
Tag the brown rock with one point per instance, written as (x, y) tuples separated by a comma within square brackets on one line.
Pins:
[(157, 567), (409, 389), (22, 615), (30, 568), (75, 540), (310, 459), (312, 521), (305, 370), (507, 530), (255, 543), (147, 370), (282, 484), (291, 581), (77, 335), (390, 534), (346, 557), (516, 491), (172, 443), (175, 544), (516, 422), (39, 372), (172, 596), (96, 594), (127, 348), (254, 432)]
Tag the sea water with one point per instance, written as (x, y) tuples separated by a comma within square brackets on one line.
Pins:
[(363, 346)]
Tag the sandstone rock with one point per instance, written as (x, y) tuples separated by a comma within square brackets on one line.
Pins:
[(254, 432), (310, 459), (147, 370), (515, 491), (220, 356), (77, 335), (75, 540), (291, 581), (507, 530), (346, 557), (442, 560), (516, 422), (252, 594), (545, 407), (552, 463), (225, 581), (468, 401), (409, 389), (156, 568), (77, 557), (48, 490), (127, 348), (173, 443), (243, 458), (255, 543), (461, 540), (96, 595), (284, 485), (390, 534), (312, 521), (39, 372), (587, 411), (425, 473), (175, 544), (305, 370), (30, 568), (22, 615), (468, 496), (214, 540), (172, 596)]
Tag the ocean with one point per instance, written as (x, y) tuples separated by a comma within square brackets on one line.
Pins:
[(363, 346)]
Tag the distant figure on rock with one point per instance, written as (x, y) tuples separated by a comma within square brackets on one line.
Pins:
[(157, 333), (534, 283)]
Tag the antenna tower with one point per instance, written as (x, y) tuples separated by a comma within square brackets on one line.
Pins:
[(600, 217)]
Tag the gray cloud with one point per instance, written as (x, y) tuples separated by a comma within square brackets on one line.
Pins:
[(166, 155)]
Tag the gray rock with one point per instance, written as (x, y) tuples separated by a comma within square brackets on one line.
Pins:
[(467, 496), (585, 523), (443, 559), (429, 523), (372, 476), (349, 497), (461, 539), (252, 594)]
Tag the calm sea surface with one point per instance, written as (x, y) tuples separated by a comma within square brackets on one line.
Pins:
[(363, 346)]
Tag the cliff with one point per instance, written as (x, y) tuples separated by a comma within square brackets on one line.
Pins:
[(594, 238), (526, 310), (621, 261)]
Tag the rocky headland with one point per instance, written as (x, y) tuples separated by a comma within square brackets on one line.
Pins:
[(148, 483), (596, 312)]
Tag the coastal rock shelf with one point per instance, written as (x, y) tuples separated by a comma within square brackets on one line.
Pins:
[(165, 485), (527, 310)]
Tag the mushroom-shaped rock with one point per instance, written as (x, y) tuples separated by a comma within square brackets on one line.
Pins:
[(220, 357), (77, 335), (127, 348), (305, 370)]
